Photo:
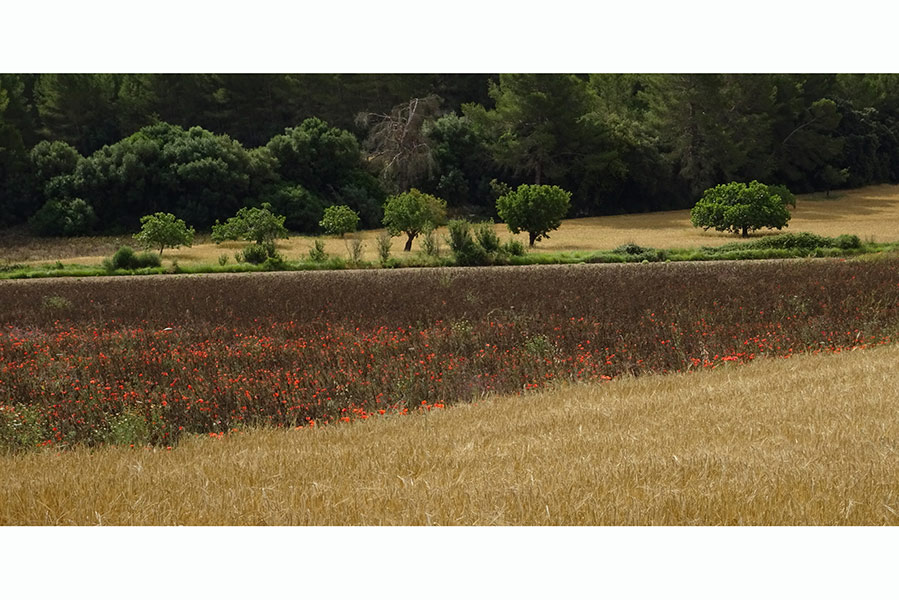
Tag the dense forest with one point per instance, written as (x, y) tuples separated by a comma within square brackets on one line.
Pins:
[(90, 153)]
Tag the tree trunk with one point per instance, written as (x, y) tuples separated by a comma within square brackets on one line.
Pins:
[(408, 246), (745, 232), (533, 238)]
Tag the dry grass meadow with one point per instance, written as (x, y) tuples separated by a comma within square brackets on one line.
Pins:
[(813, 440), (871, 213)]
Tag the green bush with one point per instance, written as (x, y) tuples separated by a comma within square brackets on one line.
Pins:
[(317, 253), (430, 242), (68, 217), (486, 237), (630, 248), (848, 242), (466, 251), (126, 258), (385, 240), (256, 254), (514, 248)]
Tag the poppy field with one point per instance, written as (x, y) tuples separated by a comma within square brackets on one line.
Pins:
[(136, 361)]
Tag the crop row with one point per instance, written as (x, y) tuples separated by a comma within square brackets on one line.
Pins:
[(78, 379)]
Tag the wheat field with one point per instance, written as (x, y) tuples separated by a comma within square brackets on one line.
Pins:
[(871, 213), (811, 440)]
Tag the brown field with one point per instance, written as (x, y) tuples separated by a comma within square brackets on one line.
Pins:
[(871, 213), (805, 441)]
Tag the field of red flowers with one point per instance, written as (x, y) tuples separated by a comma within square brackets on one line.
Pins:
[(148, 360)]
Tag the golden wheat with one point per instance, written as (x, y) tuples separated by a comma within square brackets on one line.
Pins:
[(810, 440)]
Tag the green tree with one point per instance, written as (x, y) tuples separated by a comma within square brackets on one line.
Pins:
[(63, 217), (411, 212), (339, 220), (462, 163), (537, 209), (164, 230), (327, 163), (17, 197), (78, 108), (537, 124), (259, 225), (741, 208)]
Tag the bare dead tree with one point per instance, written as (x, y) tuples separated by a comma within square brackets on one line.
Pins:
[(398, 143)]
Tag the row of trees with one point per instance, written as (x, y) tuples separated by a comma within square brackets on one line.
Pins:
[(82, 152)]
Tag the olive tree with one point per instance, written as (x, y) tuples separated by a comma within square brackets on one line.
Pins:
[(259, 225), (537, 209), (411, 212), (164, 230), (741, 208), (339, 220)]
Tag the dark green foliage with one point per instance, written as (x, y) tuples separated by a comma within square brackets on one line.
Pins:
[(617, 142), (537, 209), (740, 208), (66, 217), (126, 258), (301, 208), (486, 237), (514, 247), (465, 249), (317, 253), (326, 163), (793, 241), (632, 252), (256, 254)]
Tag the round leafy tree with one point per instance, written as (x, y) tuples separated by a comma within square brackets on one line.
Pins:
[(260, 225), (339, 220), (411, 212), (164, 230), (741, 208), (537, 209)]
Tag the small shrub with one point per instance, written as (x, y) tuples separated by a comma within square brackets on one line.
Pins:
[(630, 248), (126, 258), (274, 263), (514, 248), (356, 247), (430, 242), (223, 259), (465, 250), (317, 252), (486, 237), (256, 254), (385, 240), (848, 242), (55, 303)]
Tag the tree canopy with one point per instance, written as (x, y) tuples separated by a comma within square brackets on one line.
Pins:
[(411, 212), (203, 145), (742, 208), (537, 209)]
